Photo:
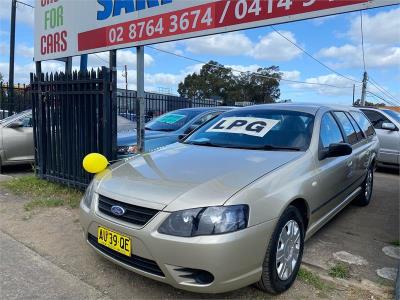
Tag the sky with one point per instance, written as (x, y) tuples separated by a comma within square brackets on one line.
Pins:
[(334, 40)]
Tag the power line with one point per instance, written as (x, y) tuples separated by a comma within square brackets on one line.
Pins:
[(381, 89), (312, 57), (383, 99), (99, 57), (362, 39), (254, 73)]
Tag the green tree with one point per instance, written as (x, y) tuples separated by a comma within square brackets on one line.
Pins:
[(1, 77), (367, 103), (215, 80)]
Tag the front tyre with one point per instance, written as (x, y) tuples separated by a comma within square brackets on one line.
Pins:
[(364, 197), (285, 251)]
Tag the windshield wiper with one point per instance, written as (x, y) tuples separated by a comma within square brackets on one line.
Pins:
[(204, 143), (277, 148)]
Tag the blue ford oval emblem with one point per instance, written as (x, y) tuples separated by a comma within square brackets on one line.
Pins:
[(117, 210)]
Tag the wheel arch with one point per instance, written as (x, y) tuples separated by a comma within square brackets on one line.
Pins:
[(302, 205)]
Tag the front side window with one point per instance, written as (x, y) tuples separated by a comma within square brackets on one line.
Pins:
[(394, 114), (205, 118), (363, 122), (347, 127), (330, 132), (259, 129), (377, 119)]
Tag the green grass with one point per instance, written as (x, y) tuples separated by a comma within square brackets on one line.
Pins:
[(43, 193), (340, 270), (312, 279), (396, 243)]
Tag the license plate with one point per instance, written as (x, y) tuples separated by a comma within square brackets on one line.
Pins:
[(114, 240)]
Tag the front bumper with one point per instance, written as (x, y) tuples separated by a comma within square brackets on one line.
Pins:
[(234, 259)]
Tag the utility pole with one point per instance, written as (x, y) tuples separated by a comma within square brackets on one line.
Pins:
[(140, 98), (126, 83), (125, 74), (12, 50), (364, 89), (354, 93)]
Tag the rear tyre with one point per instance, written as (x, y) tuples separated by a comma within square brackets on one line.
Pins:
[(364, 198), (285, 251)]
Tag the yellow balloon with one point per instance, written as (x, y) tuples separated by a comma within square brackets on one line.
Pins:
[(95, 163)]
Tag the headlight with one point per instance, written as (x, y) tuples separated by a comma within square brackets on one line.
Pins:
[(88, 196), (125, 150), (206, 221)]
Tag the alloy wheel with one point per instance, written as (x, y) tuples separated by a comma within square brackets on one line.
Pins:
[(288, 250)]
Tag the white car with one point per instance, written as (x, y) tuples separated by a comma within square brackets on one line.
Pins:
[(387, 124)]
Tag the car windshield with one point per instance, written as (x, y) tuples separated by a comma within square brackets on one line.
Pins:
[(394, 114), (267, 129), (172, 121)]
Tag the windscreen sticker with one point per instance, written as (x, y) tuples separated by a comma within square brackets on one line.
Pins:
[(171, 118), (258, 127)]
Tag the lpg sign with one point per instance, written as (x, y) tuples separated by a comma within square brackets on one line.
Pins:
[(73, 27)]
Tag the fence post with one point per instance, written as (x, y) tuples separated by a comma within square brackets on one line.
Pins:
[(113, 103), (40, 123)]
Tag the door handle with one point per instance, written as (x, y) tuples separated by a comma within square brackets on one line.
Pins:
[(350, 163)]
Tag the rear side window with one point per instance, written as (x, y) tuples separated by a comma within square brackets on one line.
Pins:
[(330, 132), (348, 127), (359, 132), (376, 118), (363, 122)]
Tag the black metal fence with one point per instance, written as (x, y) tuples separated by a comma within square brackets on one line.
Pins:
[(21, 101), (156, 104), (73, 116)]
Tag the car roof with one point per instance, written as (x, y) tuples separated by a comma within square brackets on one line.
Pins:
[(204, 109), (311, 108)]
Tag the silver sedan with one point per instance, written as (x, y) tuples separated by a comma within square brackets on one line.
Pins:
[(233, 203)]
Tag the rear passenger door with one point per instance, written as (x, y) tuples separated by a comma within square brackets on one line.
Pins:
[(368, 132), (361, 154)]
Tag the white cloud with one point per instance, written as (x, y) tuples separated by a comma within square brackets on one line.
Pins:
[(4, 33), (327, 85), (274, 47), (291, 75), (24, 50), (124, 57), (268, 47), (376, 56), (233, 43), (381, 28), (4, 50)]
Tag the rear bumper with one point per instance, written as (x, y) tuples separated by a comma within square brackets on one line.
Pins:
[(234, 259)]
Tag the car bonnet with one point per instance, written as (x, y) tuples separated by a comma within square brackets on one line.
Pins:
[(186, 176)]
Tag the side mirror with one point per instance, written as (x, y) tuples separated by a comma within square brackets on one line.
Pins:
[(336, 150), (389, 126), (16, 124)]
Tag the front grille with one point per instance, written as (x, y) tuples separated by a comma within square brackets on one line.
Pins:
[(134, 261), (133, 214)]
